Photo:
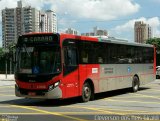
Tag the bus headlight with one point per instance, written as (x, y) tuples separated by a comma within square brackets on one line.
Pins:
[(56, 84)]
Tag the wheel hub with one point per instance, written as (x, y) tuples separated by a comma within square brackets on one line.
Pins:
[(86, 92)]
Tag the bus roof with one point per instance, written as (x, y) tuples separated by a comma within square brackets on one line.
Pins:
[(121, 41), (100, 39), (111, 40)]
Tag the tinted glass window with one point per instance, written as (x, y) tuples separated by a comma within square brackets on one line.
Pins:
[(109, 53), (39, 60), (70, 56)]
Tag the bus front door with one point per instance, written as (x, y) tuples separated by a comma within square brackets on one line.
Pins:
[(70, 71)]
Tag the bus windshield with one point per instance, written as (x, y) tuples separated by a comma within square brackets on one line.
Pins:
[(38, 60)]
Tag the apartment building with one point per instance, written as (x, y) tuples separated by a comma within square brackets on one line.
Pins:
[(96, 32), (142, 32), (71, 31), (20, 20)]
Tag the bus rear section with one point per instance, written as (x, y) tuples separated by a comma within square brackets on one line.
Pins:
[(111, 64)]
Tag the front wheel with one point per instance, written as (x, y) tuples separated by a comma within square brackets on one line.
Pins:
[(86, 92), (135, 84)]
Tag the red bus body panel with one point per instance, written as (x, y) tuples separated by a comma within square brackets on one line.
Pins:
[(73, 82)]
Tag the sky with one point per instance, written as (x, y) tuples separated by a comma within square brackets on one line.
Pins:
[(115, 16)]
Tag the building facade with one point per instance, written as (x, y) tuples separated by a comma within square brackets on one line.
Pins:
[(9, 29), (30, 20), (48, 21), (52, 21), (71, 31), (96, 32), (20, 20), (142, 32)]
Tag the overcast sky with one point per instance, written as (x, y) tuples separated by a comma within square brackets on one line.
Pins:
[(116, 16)]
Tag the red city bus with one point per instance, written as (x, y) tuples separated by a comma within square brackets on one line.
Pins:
[(59, 66)]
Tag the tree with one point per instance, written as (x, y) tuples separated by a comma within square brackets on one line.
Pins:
[(2, 54), (156, 42), (2, 61), (7, 56)]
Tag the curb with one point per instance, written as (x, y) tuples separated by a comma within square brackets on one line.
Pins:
[(7, 80), (7, 83)]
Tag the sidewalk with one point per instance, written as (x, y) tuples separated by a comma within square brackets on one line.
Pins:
[(7, 81)]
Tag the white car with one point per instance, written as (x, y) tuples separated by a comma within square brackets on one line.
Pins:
[(157, 72)]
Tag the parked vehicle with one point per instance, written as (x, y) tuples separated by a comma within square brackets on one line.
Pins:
[(157, 72)]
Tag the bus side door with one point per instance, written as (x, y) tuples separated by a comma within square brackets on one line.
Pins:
[(70, 72)]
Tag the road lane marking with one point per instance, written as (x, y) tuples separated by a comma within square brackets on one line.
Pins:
[(5, 106), (110, 109), (96, 109), (6, 91), (154, 90), (1, 87), (47, 112), (22, 113), (114, 109), (105, 111), (125, 97), (66, 113), (150, 91), (62, 113), (100, 113), (148, 96), (138, 96), (131, 101), (7, 95), (76, 113)]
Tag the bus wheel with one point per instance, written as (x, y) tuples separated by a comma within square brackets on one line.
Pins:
[(86, 92), (135, 84)]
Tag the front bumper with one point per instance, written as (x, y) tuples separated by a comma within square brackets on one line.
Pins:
[(55, 93)]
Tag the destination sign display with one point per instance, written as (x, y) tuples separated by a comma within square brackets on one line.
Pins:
[(38, 39)]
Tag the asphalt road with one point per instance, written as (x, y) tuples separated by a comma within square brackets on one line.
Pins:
[(113, 105)]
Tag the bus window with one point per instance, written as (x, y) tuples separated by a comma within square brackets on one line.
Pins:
[(70, 60), (84, 57)]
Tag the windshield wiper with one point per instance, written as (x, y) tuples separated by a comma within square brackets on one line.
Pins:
[(24, 45)]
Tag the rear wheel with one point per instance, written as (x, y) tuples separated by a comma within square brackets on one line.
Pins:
[(135, 84), (86, 92)]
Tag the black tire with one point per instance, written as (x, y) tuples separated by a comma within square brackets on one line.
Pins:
[(157, 76), (135, 84), (86, 92)]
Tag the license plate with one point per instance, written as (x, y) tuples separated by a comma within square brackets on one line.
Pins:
[(31, 93)]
